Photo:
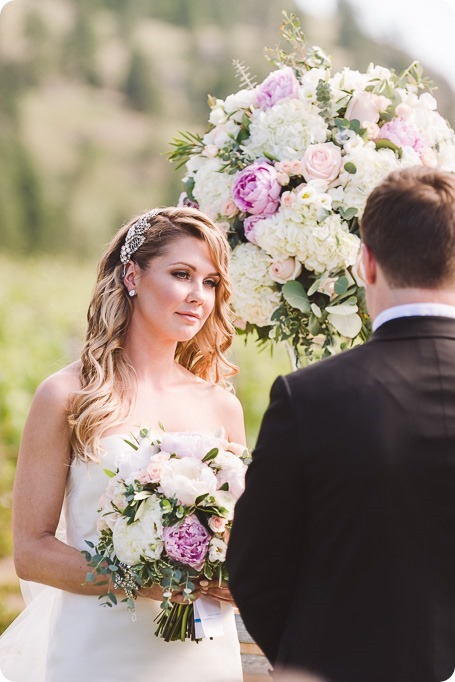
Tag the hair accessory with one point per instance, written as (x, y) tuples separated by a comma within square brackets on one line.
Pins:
[(132, 292), (135, 236)]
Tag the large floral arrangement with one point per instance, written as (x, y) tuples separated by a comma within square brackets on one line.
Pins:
[(165, 518), (286, 167)]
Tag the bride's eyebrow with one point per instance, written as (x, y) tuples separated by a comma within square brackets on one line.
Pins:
[(193, 268)]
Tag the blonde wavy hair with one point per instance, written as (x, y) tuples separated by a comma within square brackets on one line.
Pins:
[(107, 378)]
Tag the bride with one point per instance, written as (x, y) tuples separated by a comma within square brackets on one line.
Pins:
[(158, 327)]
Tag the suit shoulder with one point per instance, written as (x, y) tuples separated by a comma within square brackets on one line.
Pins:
[(347, 366)]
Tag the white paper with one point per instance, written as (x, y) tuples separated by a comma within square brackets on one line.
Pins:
[(207, 618)]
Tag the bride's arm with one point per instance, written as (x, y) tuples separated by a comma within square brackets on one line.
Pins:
[(39, 488), (41, 474)]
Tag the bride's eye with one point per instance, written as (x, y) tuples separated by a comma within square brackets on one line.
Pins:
[(212, 282), (181, 274)]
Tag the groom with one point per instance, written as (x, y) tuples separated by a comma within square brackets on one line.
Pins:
[(342, 554)]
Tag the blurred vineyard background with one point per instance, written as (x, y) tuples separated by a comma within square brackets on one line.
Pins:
[(91, 93)]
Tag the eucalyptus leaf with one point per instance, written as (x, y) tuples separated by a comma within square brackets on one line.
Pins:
[(348, 213), (350, 167), (313, 325), (342, 309), (341, 285), (294, 293), (316, 310), (315, 286), (347, 325)]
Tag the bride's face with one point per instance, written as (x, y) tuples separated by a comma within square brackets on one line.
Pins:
[(176, 293)]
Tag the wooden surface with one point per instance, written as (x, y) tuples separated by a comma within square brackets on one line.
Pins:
[(254, 664)]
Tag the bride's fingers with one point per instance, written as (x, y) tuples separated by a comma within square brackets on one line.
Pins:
[(180, 598)]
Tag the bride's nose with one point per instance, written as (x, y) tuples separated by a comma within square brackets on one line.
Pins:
[(196, 294)]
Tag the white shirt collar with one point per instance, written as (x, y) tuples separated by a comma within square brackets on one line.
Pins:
[(412, 310)]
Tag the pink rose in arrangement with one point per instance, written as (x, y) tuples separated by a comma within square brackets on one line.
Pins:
[(217, 524), (364, 106), (256, 189), (153, 471), (284, 270), (372, 129), (230, 209), (188, 542), (235, 448), (278, 85), (429, 158), (403, 134), (290, 166), (322, 162)]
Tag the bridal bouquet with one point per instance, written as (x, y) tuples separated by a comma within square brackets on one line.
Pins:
[(286, 167), (165, 519)]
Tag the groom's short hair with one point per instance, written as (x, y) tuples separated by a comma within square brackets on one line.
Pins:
[(409, 225)]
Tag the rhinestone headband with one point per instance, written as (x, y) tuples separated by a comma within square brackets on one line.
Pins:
[(135, 236)]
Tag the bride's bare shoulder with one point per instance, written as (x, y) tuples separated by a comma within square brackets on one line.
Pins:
[(58, 387), (229, 412)]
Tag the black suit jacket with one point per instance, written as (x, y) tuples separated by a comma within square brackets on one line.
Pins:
[(342, 554)]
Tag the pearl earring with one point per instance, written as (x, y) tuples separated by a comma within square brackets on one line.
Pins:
[(132, 292)]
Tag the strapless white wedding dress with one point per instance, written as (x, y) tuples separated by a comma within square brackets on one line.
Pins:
[(64, 637)]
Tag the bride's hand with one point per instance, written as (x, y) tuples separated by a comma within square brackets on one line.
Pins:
[(156, 592), (212, 588)]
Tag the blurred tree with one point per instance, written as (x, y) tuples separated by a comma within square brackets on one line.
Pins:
[(80, 45), (140, 86), (23, 212), (37, 36)]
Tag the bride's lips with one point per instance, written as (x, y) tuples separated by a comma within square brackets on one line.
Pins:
[(192, 317)]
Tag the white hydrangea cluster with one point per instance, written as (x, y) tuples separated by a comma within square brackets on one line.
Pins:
[(254, 297), (325, 246), (285, 130), (212, 189), (372, 165), (329, 246)]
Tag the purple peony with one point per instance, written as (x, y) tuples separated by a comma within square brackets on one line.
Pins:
[(188, 542), (278, 85), (256, 189), (403, 134)]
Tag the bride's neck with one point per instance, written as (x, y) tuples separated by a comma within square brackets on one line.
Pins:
[(151, 360)]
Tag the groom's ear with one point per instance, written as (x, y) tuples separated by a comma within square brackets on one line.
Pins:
[(370, 264)]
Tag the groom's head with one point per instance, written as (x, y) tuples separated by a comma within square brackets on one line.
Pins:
[(409, 225), (408, 235)]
